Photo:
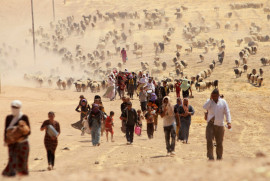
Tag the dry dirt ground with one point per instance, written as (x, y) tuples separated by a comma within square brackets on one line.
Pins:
[(145, 159)]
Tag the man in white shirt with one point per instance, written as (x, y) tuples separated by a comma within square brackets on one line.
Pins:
[(216, 108), (150, 85)]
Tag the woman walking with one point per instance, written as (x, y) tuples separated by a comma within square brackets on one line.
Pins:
[(185, 87), (110, 93), (85, 109), (131, 86), (124, 55), (95, 119), (177, 116), (50, 140), (169, 125), (17, 130), (185, 112)]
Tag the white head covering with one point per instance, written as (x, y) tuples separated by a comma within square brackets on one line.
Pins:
[(16, 112), (169, 106), (16, 103)]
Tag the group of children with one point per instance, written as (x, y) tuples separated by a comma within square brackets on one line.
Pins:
[(149, 115), (149, 112), (85, 109)]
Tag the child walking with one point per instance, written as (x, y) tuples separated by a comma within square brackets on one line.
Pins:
[(149, 116), (109, 125), (140, 117), (143, 99)]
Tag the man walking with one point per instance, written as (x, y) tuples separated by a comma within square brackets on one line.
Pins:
[(216, 108), (130, 116), (168, 116)]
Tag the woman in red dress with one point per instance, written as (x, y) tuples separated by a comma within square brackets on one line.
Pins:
[(124, 55)]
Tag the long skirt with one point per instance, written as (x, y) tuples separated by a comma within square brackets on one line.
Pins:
[(184, 130), (86, 126), (18, 159), (124, 58), (95, 133), (131, 88), (110, 93)]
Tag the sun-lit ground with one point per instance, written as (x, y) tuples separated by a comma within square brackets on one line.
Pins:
[(145, 159)]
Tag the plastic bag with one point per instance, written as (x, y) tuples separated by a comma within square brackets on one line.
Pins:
[(138, 130)]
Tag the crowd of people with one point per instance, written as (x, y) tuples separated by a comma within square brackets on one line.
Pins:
[(155, 103)]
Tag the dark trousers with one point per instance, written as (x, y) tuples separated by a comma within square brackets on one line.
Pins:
[(150, 130), (129, 133), (160, 103), (143, 106), (50, 157), (130, 95), (170, 133), (217, 132)]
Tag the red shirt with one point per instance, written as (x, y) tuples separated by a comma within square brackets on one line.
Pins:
[(108, 122), (177, 86), (122, 86)]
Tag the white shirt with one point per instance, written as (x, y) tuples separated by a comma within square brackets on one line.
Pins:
[(168, 120), (218, 110), (143, 80), (151, 86), (169, 117)]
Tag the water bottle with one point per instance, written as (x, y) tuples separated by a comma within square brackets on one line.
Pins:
[(52, 131)]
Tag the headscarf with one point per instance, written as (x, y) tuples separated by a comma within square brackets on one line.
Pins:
[(111, 81), (185, 107), (169, 106), (179, 99), (81, 97), (185, 85), (16, 112), (17, 104), (153, 97), (95, 108)]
